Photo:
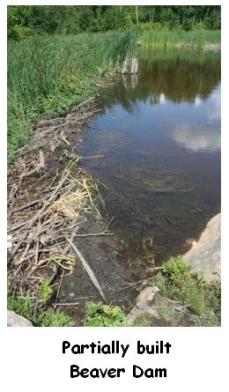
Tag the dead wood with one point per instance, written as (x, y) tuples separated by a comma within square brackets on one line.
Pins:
[(25, 206), (67, 303), (92, 157), (42, 183), (65, 251), (87, 269)]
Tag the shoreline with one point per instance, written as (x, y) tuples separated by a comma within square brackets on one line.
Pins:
[(71, 292), (49, 157), (41, 224)]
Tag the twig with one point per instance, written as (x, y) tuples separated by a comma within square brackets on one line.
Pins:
[(47, 123), (109, 223), (65, 251), (42, 159), (102, 233), (60, 284), (140, 281), (87, 269), (67, 303), (23, 255), (32, 203), (80, 298), (90, 198), (75, 108), (37, 251), (35, 170), (13, 192), (91, 157), (64, 138), (42, 211)]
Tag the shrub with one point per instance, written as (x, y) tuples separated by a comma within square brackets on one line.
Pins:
[(178, 282), (45, 290), (100, 315), (25, 307), (58, 319), (21, 305)]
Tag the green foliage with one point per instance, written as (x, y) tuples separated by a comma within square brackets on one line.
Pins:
[(25, 307), (75, 19), (177, 282), (58, 319), (100, 315), (21, 305), (196, 38), (175, 269), (50, 74), (44, 290)]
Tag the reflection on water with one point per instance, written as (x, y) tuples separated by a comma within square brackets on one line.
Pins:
[(197, 138), (159, 134)]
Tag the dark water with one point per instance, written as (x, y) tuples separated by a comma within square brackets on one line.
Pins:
[(159, 135)]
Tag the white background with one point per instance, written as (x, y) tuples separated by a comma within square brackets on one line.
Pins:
[(31, 358)]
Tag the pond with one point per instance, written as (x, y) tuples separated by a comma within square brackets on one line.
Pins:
[(159, 135)]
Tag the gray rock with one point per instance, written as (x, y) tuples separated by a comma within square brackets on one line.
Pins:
[(15, 320), (146, 296), (142, 306), (204, 256), (153, 310)]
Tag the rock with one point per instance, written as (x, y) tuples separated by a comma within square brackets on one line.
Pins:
[(143, 301), (204, 256), (146, 296), (15, 320), (153, 310)]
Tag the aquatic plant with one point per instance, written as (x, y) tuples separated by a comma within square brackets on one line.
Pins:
[(195, 38)]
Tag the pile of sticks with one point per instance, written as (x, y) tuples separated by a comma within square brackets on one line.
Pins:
[(49, 199)]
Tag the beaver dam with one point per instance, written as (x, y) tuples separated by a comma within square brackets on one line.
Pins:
[(102, 195)]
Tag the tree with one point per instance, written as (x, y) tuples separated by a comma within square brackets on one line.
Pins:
[(27, 20)]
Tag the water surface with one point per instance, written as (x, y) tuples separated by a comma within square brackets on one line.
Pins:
[(159, 134)]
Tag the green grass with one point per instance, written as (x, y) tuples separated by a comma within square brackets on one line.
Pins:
[(197, 38), (50, 74), (203, 299), (44, 290), (42, 318), (101, 315), (186, 54)]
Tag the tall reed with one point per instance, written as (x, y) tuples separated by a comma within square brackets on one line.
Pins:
[(49, 74), (195, 38)]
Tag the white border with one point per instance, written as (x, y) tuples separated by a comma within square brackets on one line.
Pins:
[(32, 358)]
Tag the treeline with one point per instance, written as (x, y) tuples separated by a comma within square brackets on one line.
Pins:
[(24, 21)]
